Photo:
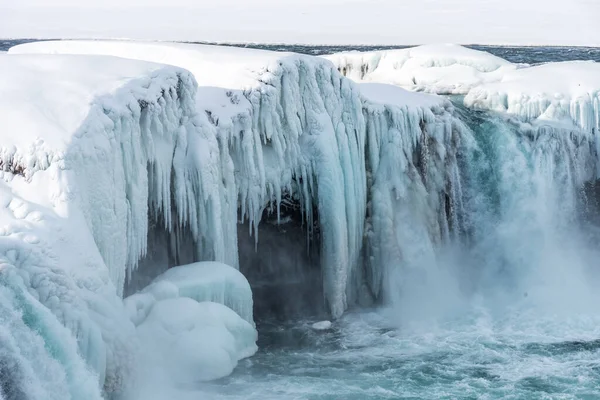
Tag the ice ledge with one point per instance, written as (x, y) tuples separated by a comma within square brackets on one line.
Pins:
[(550, 92)]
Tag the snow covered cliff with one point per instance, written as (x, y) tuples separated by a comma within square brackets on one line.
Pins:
[(91, 147)]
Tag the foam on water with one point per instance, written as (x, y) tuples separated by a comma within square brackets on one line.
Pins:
[(520, 354)]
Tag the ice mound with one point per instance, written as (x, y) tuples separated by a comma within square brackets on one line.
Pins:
[(195, 341), (194, 322), (442, 69), (202, 281), (322, 325)]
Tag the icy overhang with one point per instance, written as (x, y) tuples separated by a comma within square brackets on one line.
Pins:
[(47, 100)]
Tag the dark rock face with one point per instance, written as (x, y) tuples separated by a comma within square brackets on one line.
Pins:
[(284, 266)]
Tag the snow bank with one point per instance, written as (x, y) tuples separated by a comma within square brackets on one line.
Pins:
[(389, 95), (195, 341), (203, 281), (442, 69), (555, 91)]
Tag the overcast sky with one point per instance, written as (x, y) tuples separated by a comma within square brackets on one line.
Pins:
[(566, 22)]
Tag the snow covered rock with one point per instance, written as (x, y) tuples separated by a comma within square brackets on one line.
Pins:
[(195, 341), (442, 69)]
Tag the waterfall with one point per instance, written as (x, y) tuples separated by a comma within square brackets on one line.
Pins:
[(520, 233)]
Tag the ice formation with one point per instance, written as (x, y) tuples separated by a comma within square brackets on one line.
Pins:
[(291, 124), (321, 325), (87, 157), (442, 69), (196, 341)]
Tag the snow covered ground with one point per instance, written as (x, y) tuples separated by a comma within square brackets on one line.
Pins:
[(530, 22)]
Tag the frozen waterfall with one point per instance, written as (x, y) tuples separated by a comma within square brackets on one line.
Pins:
[(113, 180)]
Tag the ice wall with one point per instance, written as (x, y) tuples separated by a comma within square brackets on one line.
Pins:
[(414, 181), (567, 92)]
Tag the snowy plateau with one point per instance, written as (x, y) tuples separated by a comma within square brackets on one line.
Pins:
[(128, 167)]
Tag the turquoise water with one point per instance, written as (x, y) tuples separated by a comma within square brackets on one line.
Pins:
[(483, 356)]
